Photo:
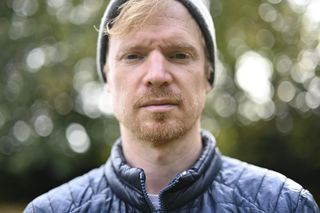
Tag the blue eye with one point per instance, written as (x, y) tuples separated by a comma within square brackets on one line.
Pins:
[(133, 57), (179, 56)]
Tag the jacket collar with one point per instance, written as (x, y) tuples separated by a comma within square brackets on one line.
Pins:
[(129, 183)]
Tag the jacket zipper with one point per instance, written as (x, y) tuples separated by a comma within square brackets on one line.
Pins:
[(144, 191), (172, 184)]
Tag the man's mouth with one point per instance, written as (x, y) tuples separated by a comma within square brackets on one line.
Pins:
[(159, 105)]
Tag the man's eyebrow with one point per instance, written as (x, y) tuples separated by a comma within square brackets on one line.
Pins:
[(166, 46), (180, 45), (132, 47), (129, 48)]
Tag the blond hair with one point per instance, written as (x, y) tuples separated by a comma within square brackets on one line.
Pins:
[(133, 14)]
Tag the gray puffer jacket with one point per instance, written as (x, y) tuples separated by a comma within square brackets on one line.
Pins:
[(215, 183)]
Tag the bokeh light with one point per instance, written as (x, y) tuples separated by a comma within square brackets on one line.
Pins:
[(253, 75), (78, 138)]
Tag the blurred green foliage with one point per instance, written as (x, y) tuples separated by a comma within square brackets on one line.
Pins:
[(55, 120)]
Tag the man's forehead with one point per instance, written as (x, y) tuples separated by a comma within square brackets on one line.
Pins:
[(157, 36), (176, 42)]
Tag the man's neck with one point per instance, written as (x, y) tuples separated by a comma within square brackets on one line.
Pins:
[(162, 162)]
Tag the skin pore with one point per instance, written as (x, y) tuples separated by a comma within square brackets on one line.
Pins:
[(156, 76)]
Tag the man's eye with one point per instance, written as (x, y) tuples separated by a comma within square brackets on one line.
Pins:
[(133, 57), (179, 56)]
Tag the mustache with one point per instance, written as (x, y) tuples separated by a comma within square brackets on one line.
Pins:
[(156, 93)]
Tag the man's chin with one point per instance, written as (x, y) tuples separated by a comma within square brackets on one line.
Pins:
[(160, 132)]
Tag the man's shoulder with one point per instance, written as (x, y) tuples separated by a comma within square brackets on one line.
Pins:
[(79, 192), (262, 188)]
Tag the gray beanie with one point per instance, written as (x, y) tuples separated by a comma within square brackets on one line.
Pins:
[(199, 9)]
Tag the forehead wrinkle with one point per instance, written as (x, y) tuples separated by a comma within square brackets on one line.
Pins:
[(184, 23), (175, 42)]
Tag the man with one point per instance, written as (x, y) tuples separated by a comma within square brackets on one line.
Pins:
[(157, 58)]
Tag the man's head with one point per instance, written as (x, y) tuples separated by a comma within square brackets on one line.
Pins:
[(199, 9), (156, 69)]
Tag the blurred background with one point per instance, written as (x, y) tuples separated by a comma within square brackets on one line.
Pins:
[(56, 119)]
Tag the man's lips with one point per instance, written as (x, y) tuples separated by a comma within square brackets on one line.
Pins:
[(159, 104)]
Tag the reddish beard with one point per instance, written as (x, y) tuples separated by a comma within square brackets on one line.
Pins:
[(153, 93), (155, 127), (159, 127)]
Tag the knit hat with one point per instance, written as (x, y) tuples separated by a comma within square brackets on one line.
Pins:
[(199, 10)]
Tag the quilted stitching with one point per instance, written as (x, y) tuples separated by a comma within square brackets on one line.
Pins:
[(238, 187)]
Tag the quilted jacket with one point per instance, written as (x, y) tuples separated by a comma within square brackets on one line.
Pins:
[(215, 183)]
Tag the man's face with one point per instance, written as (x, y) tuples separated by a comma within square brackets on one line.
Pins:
[(156, 75)]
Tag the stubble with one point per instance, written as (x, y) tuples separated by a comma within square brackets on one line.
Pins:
[(159, 127)]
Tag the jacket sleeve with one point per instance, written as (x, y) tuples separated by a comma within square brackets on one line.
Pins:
[(39, 207), (29, 209), (54, 201), (306, 203)]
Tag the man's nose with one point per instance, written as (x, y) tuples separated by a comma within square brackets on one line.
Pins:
[(157, 73)]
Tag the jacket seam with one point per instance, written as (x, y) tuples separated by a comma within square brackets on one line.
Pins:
[(255, 205), (299, 198), (233, 189), (240, 175), (235, 204), (73, 199), (236, 187), (90, 186), (33, 207), (89, 181), (103, 180), (50, 203), (284, 182), (260, 185), (85, 203)]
